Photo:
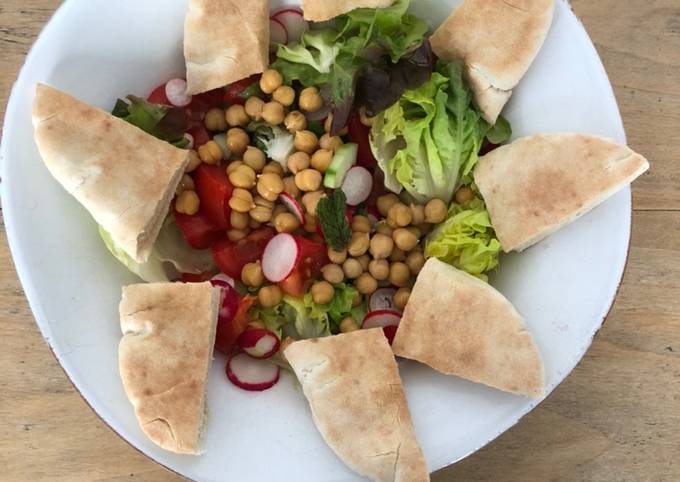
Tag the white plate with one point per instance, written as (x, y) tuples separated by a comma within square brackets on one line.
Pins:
[(98, 50)]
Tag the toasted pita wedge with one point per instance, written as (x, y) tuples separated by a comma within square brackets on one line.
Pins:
[(164, 357), (321, 10), (538, 184), (498, 40), (353, 387), (459, 325), (225, 41), (123, 176)]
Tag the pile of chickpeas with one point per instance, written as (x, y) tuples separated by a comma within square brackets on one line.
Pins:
[(385, 253)]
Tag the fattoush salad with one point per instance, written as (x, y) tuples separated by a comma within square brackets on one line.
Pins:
[(327, 187)]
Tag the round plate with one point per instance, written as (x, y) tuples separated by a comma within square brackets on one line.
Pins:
[(98, 50)]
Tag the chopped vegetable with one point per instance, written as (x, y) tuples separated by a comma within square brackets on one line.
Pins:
[(317, 48), (345, 157), (259, 342), (276, 142), (166, 123), (251, 374), (333, 221)]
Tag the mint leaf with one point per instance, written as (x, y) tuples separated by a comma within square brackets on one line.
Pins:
[(331, 213)]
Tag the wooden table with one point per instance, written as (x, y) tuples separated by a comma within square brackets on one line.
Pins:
[(615, 418)]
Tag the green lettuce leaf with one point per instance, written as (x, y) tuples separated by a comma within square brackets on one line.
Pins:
[(317, 49), (466, 239), (171, 256), (166, 123), (305, 319)]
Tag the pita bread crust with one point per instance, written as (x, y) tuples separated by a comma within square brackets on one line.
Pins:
[(459, 325), (164, 356), (496, 59), (322, 10), (123, 176), (225, 41), (538, 184), (358, 404)]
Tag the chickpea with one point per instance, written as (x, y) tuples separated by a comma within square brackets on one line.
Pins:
[(386, 202), (333, 273), (331, 143), (365, 119), (215, 120), (186, 184), (321, 160), (361, 224), (263, 210), (194, 161), (417, 214), (210, 152), (254, 107), (399, 274), (269, 296), (290, 187), (254, 158), (237, 141), (358, 244), (464, 195), (273, 167), (397, 255), (237, 234), (273, 113), (238, 220), (252, 275), (398, 215), (236, 116), (348, 325), (310, 100), (231, 167), (187, 203), (241, 201), (270, 81), (311, 200), (328, 123), (383, 228), (352, 268), (295, 121), (286, 223), (298, 161), (415, 262), (308, 180), (310, 223), (435, 211), (269, 186), (337, 257), (404, 239), (364, 260), (379, 269), (366, 284), (381, 246), (401, 298), (306, 141), (243, 176), (284, 95), (322, 292)]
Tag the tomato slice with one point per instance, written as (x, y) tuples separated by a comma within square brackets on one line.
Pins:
[(199, 232), (294, 284), (227, 332), (214, 190), (313, 256), (231, 256), (234, 93), (358, 133), (207, 100), (158, 96), (196, 278)]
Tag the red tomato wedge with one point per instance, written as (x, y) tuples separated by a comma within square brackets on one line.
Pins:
[(231, 256), (228, 331), (358, 133), (199, 232), (234, 93), (158, 96), (294, 284), (214, 190), (206, 101), (313, 256), (199, 133)]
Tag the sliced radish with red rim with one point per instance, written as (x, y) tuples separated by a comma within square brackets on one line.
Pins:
[(250, 374), (357, 185), (176, 91), (189, 138), (382, 299), (280, 257), (222, 279), (293, 206), (381, 318), (277, 34), (230, 298), (390, 332), (259, 342), (293, 21)]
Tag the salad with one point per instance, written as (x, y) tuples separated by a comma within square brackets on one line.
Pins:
[(316, 190)]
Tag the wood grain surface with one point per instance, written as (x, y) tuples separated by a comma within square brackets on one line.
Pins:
[(615, 418)]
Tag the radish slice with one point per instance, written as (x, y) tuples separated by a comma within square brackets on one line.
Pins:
[(251, 374), (381, 318), (222, 280), (280, 257), (293, 206), (390, 332), (189, 138), (382, 299), (259, 342), (293, 21), (357, 185), (176, 91), (277, 34), (230, 299)]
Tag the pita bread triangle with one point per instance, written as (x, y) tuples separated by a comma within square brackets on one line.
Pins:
[(459, 325), (322, 10)]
